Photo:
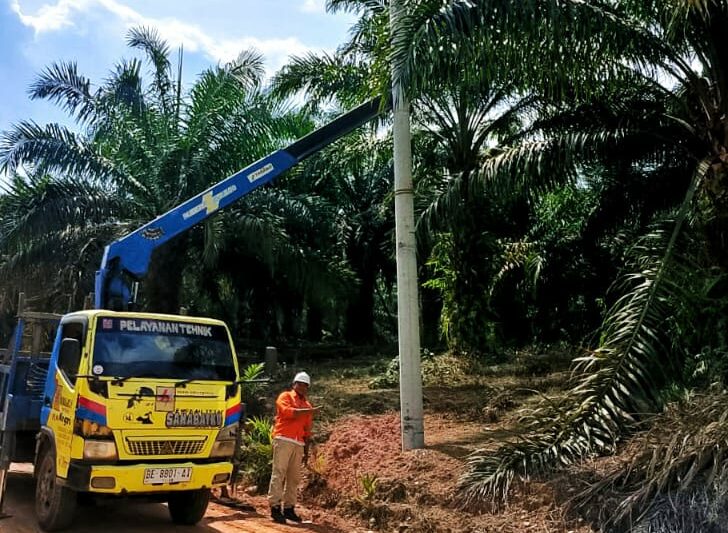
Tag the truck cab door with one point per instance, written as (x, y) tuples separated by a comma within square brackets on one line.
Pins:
[(61, 396)]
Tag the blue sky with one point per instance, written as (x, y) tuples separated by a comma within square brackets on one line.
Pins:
[(36, 33)]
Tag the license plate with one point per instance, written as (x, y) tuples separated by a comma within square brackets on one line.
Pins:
[(155, 476)]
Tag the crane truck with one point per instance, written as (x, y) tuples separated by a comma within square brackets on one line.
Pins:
[(125, 403)]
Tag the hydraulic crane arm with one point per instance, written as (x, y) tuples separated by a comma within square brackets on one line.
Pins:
[(127, 259)]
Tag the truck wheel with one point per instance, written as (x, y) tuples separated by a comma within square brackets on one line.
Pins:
[(189, 506), (54, 504)]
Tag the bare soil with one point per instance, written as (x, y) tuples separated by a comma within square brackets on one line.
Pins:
[(358, 479), (415, 491), (360, 472), (127, 516)]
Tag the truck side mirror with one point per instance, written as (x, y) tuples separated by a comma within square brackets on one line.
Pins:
[(70, 356)]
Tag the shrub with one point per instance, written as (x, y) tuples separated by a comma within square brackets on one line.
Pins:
[(369, 486), (256, 453), (436, 370)]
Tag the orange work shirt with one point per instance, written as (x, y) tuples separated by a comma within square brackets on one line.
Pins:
[(289, 426)]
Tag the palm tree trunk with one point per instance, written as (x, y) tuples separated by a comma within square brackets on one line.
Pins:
[(715, 187), (360, 312), (161, 288)]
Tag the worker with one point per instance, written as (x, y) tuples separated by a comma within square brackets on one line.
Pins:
[(291, 433)]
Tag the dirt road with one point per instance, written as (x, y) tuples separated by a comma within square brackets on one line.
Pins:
[(131, 517)]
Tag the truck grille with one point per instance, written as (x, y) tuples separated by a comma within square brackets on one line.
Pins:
[(165, 447)]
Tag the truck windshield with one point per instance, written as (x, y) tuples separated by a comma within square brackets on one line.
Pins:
[(132, 347)]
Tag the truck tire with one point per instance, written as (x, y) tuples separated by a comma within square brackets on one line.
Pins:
[(189, 506), (55, 504)]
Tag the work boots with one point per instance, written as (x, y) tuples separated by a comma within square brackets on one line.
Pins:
[(291, 515), (277, 515)]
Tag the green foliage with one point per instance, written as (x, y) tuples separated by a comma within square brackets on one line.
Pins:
[(355, 179), (143, 146), (601, 69), (256, 454), (251, 392), (369, 483), (437, 370), (637, 358), (250, 373), (547, 285), (704, 337), (459, 121), (389, 377), (465, 311), (442, 279), (259, 430)]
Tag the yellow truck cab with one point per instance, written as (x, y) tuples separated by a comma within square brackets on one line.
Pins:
[(136, 404)]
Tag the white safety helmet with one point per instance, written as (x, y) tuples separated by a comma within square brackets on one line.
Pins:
[(302, 377)]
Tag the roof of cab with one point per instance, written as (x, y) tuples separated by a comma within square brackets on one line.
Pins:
[(92, 313)]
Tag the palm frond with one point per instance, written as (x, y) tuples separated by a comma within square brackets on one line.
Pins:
[(681, 452), (157, 51), (248, 68), (540, 164), (618, 383), (124, 88), (512, 37), (356, 6), (322, 78), (41, 206), (50, 148), (61, 83), (519, 255)]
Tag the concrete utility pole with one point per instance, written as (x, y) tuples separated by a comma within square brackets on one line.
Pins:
[(410, 376)]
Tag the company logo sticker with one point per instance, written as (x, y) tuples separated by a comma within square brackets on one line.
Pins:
[(262, 171), (210, 202), (193, 419), (152, 234), (164, 399)]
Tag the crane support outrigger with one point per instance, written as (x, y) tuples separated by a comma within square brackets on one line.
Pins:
[(127, 259)]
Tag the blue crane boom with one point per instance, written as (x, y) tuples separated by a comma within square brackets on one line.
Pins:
[(127, 259)]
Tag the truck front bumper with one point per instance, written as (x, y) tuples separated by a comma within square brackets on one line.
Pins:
[(129, 479)]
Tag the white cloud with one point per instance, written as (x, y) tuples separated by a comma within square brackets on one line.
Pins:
[(313, 6), (70, 13), (123, 12), (50, 17)]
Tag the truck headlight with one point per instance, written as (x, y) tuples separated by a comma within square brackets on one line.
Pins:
[(224, 445), (100, 450)]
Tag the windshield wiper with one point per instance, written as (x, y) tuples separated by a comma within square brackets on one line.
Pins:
[(184, 382), (119, 380), (90, 376)]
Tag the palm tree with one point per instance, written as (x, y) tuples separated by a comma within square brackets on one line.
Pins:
[(465, 122), (355, 178), (274, 273), (142, 149), (648, 78), (458, 121)]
